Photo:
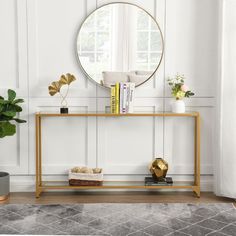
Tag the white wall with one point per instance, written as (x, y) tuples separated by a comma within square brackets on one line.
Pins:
[(37, 45)]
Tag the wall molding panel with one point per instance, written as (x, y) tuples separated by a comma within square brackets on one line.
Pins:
[(14, 47), (39, 44), (64, 128), (42, 63)]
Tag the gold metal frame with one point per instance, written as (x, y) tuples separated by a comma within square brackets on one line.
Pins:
[(162, 42), (44, 185)]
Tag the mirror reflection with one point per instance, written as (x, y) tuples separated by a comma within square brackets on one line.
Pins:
[(119, 42)]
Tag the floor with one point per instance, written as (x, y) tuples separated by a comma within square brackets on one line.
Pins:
[(115, 197), (67, 213), (119, 219)]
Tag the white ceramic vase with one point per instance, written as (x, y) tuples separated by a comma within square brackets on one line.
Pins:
[(178, 106)]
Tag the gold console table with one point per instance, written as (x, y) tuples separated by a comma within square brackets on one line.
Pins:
[(44, 185)]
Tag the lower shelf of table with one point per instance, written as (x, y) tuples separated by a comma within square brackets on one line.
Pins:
[(117, 185)]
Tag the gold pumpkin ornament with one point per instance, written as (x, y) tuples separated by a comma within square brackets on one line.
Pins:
[(158, 168)]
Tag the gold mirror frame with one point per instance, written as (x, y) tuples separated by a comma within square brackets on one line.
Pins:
[(162, 42)]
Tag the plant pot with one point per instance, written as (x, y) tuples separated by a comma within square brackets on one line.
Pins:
[(178, 106), (4, 185)]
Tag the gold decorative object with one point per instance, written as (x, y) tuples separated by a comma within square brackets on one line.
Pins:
[(55, 88), (158, 168)]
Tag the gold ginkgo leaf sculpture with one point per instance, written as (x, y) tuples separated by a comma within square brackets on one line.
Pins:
[(56, 86), (67, 79)]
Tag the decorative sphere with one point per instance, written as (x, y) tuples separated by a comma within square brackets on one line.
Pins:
[(158, 168)]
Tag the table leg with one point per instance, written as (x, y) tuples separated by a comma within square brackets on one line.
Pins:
[(40, 152), (37, 155), (197, 156)]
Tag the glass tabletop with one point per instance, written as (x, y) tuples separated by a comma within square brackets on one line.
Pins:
[(120, 184), (106, 113)]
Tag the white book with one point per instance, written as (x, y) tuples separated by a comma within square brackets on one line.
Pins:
[(131, 98), (124, 98), (127, 98)]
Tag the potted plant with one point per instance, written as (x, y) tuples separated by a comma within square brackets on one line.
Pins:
[(9, 108), (179, 90)]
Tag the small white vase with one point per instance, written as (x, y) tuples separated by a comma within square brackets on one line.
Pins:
[(178, 106)]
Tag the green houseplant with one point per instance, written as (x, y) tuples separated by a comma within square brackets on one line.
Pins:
[(9, 109)]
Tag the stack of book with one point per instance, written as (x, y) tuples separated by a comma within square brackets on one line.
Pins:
[(150, 181), (122, 98)]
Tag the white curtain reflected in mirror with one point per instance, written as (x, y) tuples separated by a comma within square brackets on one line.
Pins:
[(119, 42)]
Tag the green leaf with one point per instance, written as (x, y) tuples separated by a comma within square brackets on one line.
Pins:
[(8, 110), (7, 129), (1, 132), (4, 101), (9, 113), (11, 95), (19, 120), (14, 108), (18, 101), (188, 94)]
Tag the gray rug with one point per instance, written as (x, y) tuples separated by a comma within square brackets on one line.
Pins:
[(119, 219)]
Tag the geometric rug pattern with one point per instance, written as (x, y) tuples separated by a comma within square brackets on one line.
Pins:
[(141, 219)]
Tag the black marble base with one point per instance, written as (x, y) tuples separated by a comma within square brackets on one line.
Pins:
[(64, 110)]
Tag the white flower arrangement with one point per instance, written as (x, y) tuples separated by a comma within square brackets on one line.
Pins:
[(179, 89)]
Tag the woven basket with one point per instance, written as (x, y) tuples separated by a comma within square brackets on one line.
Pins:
[(84, 179)]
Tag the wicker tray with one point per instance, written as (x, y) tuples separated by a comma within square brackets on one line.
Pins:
[(77, 182), (84, 179)]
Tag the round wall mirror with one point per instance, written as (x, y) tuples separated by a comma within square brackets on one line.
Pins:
[(119, 42)]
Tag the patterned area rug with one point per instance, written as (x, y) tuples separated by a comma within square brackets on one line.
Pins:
[(119, 219)]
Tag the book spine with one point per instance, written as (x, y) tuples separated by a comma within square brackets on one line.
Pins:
[(124, 98), (113, 99), (121, 96), (131, 98), (117, 86), (127, 98)]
